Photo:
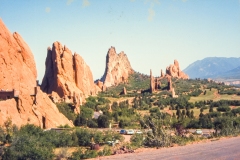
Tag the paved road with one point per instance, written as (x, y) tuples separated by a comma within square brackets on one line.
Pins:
[(224, 149)]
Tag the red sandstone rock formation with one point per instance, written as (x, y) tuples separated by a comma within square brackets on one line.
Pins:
[(161, 75), (124, 91), (18, 72), (68, 75), (155, 82), (100, 85), (174, 71), (117, 69), (169, 79), (152, 82)]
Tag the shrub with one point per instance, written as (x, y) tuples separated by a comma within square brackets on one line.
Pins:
[(92, 123), (124, 122), (84, 117), (29, 143), (61, 139), (2, 135), (103, 121), (154, 110), (102, 100), (105, 152), (80, 154), (67, 110), (77, 154), (110, 135), (84, 137), (181, 140), (62, 154), (137, 140), (223, 108), (90, 154), (214, 114), (235, 111)]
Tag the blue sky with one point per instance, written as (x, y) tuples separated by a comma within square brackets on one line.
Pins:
[(151, 32)]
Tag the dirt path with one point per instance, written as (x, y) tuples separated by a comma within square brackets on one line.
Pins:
[(225, 148), (216, 95)]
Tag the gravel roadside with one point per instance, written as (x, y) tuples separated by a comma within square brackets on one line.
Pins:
[(224, 148)]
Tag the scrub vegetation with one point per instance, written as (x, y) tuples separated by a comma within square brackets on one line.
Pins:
[(163, 120)]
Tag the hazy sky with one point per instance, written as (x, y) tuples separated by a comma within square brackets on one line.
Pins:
[(151, 32)]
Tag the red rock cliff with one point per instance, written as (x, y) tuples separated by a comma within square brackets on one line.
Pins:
[(67, 74), (28, 104), (117, 69)]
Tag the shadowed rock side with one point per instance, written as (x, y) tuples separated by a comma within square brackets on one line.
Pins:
[(84, 77), (117, 68), (68, 75), (21, 98)]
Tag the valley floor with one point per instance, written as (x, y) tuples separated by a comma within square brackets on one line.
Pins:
[(225, 148)]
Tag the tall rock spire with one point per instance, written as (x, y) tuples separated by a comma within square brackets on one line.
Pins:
[(68, 75), (117, 68), (152, 82)]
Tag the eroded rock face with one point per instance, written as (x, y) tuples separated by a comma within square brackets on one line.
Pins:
[(152, 84), (117, 69), (124, 91), (18, 72), (67, 75), (83, 76), (101, 85), (174, 71)]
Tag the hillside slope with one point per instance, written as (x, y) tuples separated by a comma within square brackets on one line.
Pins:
[(231, 74), (213, 67)]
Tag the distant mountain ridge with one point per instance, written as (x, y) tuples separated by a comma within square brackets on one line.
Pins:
[(232, 74), (214, 67)]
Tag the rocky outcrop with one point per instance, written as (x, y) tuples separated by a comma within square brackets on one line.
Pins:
[(152, 84), (162, 75), (155, 82), (124, 91), (101, 85), (169, 79), (21, 98), (67, 75), (174, 71), (117, 68)]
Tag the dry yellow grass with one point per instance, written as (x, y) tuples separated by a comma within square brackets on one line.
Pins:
[(66, 151), (213, 95), (120, 99)]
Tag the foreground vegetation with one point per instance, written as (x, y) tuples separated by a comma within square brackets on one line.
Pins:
[(164, 120), (200, 103), (31, 142)]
